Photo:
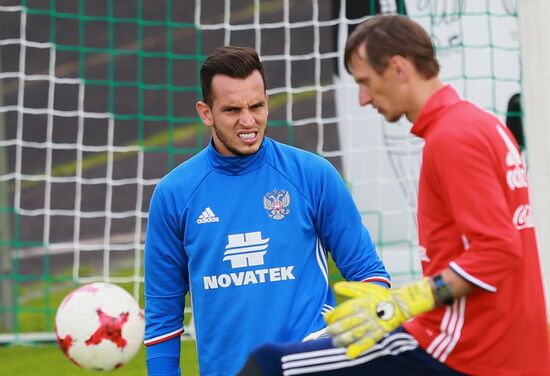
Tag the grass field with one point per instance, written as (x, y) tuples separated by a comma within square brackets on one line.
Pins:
[(48, 360)]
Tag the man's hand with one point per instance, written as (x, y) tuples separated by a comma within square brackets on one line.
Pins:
[(374, 311)]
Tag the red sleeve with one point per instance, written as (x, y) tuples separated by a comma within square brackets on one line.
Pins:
[(470, 168)]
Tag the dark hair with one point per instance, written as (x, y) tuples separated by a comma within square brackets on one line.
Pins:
[(232, 61), (387, 36)]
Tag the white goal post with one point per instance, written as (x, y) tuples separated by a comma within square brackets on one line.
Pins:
[(535, 48)]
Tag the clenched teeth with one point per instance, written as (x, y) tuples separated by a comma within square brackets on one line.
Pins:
[(247, 136)]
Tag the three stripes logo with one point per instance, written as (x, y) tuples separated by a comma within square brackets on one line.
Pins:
[(207, 216)]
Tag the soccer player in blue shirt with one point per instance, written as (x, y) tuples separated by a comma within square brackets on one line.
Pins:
[(245, 227)]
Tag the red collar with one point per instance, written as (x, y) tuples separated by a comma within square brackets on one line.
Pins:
[(434, 108)]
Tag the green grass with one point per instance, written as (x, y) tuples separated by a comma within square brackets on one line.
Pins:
[(38, 301), (36, 313), (48, 360)]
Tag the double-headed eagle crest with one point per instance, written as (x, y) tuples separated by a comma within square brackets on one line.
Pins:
[(276, 203)]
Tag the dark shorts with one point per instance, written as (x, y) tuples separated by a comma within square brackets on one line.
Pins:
[(396, 354)]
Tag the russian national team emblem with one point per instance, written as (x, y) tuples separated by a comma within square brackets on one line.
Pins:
[(276, 203)]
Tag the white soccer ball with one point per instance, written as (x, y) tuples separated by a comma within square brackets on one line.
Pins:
[(99, 326)]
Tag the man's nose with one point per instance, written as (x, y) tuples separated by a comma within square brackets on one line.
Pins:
[(246, 118), (364, 98)]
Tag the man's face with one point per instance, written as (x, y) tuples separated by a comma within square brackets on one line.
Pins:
[(238, 115), (379, 90)]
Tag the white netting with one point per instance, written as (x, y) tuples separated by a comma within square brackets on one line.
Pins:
[(94, 116), (37, 173)]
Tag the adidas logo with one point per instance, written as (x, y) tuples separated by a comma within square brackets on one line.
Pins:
[(207, 216)]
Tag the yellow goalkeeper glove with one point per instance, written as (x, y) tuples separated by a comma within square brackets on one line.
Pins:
[(361, 322)]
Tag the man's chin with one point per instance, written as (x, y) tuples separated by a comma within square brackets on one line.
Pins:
[(392, 118), (252, 149)]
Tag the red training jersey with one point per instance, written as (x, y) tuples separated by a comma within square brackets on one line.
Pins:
[(474, 216)]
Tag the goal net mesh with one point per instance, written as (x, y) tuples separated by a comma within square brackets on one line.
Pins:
[(98, 103)]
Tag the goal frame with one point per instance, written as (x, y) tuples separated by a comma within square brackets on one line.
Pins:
[(535, 53)]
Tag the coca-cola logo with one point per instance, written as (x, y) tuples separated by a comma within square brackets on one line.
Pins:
[(523, 217)]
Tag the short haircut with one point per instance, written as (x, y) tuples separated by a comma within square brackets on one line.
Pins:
[(232, 61), (392, 35)]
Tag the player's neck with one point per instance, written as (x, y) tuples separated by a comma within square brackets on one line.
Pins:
[(423, 91)]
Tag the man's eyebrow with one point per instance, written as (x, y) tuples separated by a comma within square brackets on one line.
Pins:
[(230, 107)]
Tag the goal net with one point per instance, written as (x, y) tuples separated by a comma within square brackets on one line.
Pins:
[(98, 102)]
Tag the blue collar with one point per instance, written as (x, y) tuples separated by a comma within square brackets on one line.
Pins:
[(237, 165)]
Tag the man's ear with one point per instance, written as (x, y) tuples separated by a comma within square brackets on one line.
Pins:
[(205, 113), (400, 67)]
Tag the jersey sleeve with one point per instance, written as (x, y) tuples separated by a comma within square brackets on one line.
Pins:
[(467, 170), (163, 358), (166, 276), (342, 232)]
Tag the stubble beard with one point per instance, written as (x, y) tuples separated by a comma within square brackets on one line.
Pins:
[(233, 150)]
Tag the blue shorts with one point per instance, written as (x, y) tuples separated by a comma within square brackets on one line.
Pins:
[(396, 354)]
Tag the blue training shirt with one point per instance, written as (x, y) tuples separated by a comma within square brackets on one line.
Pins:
[(248, 237)]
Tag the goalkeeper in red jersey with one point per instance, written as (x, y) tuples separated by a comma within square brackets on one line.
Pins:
[(480, 308)]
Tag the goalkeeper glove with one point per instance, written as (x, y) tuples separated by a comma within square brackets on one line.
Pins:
[(361, 322)]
